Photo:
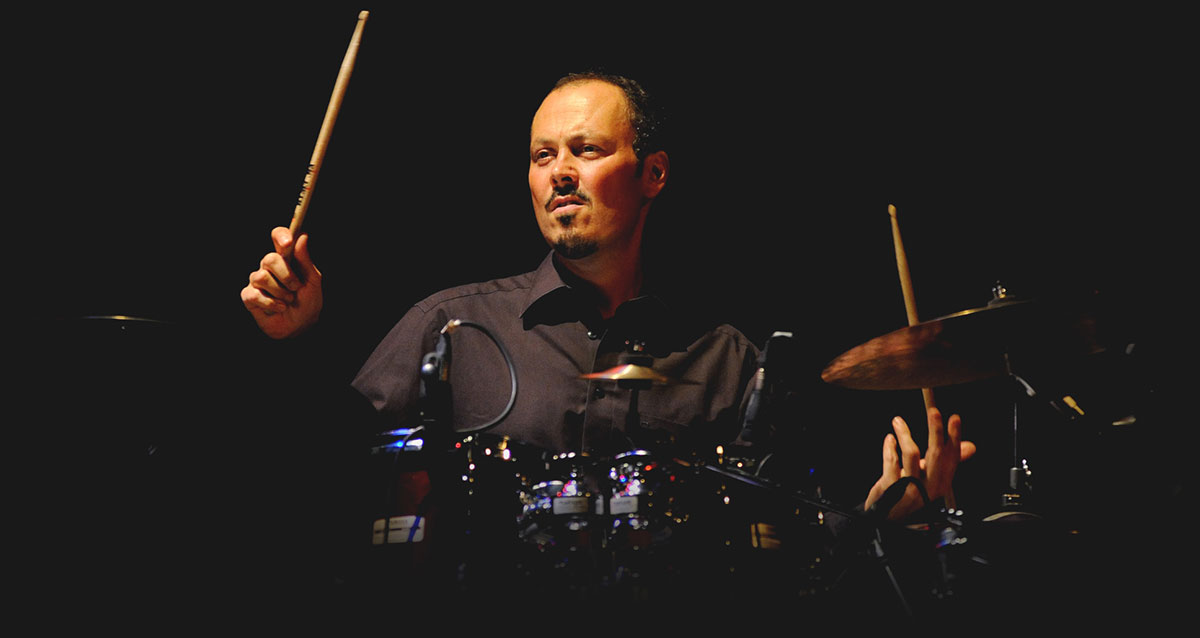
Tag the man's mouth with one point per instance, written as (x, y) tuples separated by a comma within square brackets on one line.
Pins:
[(561, 201)]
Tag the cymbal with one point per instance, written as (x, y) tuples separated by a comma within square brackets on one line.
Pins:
[(632, 372), (962, 347), (113, 322)]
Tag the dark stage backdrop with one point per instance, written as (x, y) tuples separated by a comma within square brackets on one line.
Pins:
[(1042, 151)]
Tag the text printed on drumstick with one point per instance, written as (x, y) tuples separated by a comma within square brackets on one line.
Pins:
[(306, 186)]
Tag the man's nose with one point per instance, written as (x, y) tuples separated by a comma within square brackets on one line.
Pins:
[(564, 170)]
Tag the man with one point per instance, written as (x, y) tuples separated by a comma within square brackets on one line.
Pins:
[(595, 169)]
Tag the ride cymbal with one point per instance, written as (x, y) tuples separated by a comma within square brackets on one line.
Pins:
[(965, 346)]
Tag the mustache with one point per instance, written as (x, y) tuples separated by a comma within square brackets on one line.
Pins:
[(563, 191)]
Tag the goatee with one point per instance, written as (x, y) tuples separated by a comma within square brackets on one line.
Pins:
[(572, 246)]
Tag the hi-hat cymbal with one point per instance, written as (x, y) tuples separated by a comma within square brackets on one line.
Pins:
[(965, 346), (632, 372)]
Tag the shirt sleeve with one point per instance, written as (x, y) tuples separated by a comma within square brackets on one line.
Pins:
[(390, 379)]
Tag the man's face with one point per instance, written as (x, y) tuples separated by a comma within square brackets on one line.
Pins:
[(583, 172)]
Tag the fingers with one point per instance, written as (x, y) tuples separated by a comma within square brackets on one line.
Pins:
[(273, 286), (284, 294), (255, 295), (937, 428), (954, 442), (951, 440), (891, 462), (954, 432), (910, 454), (282, 238), (890, 473), (308, 269), (935, 471), (276, 278)]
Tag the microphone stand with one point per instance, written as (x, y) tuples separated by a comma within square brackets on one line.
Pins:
[(434, 399)]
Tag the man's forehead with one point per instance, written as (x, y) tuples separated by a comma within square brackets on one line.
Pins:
[(581, 107)]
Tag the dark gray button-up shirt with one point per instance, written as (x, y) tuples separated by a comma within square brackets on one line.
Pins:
[(554, 337)]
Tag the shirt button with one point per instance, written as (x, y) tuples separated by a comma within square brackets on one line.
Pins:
[(598, 392), (593, 335)]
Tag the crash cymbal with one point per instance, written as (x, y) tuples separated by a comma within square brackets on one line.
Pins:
[(961, 347), (632, 372)]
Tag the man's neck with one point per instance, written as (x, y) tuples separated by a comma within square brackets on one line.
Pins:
[(614, 279)]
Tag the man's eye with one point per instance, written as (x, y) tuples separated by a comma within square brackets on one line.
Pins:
[(542, 156)]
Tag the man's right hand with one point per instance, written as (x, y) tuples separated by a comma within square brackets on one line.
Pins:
[(284, 295)]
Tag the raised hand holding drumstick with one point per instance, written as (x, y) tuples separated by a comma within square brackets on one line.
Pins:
[(933, 475), (284, 295)]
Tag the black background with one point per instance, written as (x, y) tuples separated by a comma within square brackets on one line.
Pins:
[(1049, 152)]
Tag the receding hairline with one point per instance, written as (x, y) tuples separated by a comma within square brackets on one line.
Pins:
[(569, 81)]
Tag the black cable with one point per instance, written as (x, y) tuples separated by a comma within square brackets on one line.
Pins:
[(512, 372)]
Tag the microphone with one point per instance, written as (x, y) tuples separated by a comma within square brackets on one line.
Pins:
[(435, 383), (757, 419)]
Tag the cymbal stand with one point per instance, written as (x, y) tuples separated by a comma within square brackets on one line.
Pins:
[(633, 420), (884, 564), (1019, 474)]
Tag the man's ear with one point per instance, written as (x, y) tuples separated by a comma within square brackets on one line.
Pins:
[(655, 169)]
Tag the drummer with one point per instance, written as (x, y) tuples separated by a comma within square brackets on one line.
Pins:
[(596, 165)]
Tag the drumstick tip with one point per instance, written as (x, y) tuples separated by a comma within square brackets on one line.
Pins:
[(891, 210), (362, 15)]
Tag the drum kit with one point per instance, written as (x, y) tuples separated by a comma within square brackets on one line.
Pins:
[(482, 513), (479, 513), (655, 525)]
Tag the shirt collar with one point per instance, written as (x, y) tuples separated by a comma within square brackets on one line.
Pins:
[(552, 300), (548, 284)]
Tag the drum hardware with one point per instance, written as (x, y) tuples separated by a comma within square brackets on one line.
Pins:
[(1031, 346), (434, 398), (433, 514), (758, 425), (816, 503), (635, 374), (1019, 474), (972, 345), (977, 344), (649, 513), (959, 348), (641, 501), (435, 404)]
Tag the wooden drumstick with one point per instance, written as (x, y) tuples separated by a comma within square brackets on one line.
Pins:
[(910, 302), (331, 113)]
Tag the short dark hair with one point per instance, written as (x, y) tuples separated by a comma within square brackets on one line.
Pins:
[(644, 113)]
